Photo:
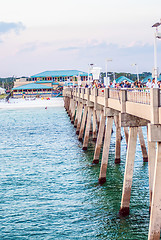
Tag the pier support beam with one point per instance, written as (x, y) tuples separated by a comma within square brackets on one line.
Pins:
[(80, 137), (118, 140), (87, 131), (70, 107), (99, 138), (106, 147), (142, 144), (77, 113), (72, 110), (66, 103), (126, 131), (98, 118), (94, 126), (79, 118), (155, 217), (130, 157), (151, 165)]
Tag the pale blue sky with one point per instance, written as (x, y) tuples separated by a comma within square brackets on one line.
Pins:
[(38, 35)]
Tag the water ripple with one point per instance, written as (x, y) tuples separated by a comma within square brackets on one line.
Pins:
[(49, 187)]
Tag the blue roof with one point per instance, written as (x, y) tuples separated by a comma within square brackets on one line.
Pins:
[(60, 73), (146, 79), (122, 79), (150, 76), (32, 86)]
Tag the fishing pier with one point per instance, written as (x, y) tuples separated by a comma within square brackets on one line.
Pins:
[(94, 111)]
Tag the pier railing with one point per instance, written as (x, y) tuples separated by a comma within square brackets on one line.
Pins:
[(115, 93), (139, 96), (135, 95)]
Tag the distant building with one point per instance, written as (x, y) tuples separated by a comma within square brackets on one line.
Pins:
[(32, 89), (61, 77), (145, 80), (48, 82), (123, 79)]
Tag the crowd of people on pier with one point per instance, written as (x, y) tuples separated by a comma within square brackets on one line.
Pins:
[(125, 84)]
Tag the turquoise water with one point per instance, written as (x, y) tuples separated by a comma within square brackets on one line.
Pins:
[(49, 188)]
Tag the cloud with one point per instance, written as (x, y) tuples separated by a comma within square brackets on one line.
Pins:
[(28, 47), (122, 56), (6, 27), (33, 46), (69, 48)]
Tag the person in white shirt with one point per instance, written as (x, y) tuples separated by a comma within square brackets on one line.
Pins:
[(149, 84)]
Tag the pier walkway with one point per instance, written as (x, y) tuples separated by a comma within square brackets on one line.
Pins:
[(95, 110)]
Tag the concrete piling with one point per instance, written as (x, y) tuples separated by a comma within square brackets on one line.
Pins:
[(155, 216), (118, 139), (142, 144), (106, 147), (73, 104), (98, 118), (130, 157), (94, 126), (79, 118), (77, 113), (99, 138), (80, 137), (126, 131), (151, 167), (87, 130)]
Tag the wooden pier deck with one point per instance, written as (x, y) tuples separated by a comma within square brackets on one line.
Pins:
[(95, 110)]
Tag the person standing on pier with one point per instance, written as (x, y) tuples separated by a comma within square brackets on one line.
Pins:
[(149, 84)]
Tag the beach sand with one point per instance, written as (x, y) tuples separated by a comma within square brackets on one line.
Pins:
[(23, 103)]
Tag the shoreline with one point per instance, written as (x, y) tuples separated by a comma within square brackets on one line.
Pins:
[(36, 103)]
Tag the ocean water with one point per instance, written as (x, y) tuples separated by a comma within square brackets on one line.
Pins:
[(49, 187)]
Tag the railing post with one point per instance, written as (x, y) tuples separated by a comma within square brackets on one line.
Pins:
[(89, 103), (75, 93), (82, 91), (106, 95), (123, 100), (155, 102), (95, 90), (71, 93), (78, 93)]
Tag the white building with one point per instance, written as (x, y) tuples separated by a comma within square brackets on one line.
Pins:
[(2, 91)]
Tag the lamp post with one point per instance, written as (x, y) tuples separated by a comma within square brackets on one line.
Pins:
[(156, 35), (137, 71), (90, 66), (73, 81), (106, 81), (79, 79), (114, 79)]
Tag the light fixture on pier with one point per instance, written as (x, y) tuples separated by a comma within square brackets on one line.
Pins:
[(106, 79), (90, 67), (156, 35), (137, 71), (79, 79)]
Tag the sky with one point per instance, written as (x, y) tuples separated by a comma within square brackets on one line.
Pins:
[(41, 35)]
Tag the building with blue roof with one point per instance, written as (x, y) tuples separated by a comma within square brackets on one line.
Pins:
[(145, 80), (60, 76), (123, 79), (44, 81), (32, 89)]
